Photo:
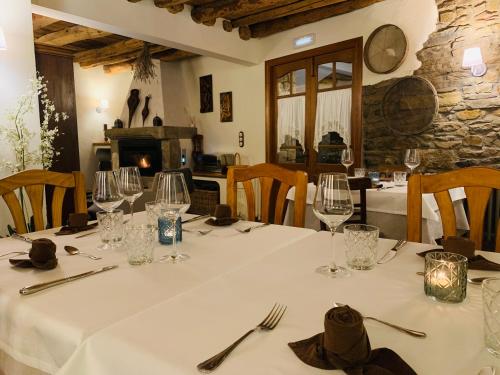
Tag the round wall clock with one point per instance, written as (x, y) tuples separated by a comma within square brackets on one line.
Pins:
[(385, 49)]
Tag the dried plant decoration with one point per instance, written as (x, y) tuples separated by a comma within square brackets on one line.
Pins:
[(144, 68)]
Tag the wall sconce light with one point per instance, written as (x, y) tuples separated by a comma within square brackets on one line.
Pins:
[(103, 106), (474, 60), (3, 43)]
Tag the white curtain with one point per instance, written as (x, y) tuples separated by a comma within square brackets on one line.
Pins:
[(333, 114), (291, 120)]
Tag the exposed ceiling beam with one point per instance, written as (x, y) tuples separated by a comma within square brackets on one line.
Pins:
[(109, 51), (57, 51), (118, 58), (169, 3), (125, 66), (223, 9), (282, 11), (70, 35), (267, 28), (39, 22), (177, 55)]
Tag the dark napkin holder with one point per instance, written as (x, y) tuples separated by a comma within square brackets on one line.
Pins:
[(77, 222), (42, 255), (223, 216)]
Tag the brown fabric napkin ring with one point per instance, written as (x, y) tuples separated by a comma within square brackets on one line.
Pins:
[(459, 245), (42, 255), (77, 220)]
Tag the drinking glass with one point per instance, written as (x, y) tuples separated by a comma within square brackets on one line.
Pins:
[(139, 242), (412, 159), (359, 172), (347, 159), (106, 191), (333, 205), (129, 179), (110, 228), (361, 242), (399, 178), (173, 198), (152, 213), (491, 310)]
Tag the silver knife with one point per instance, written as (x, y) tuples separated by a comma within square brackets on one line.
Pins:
[(196, 219), (38, 287), (21, 237), (86, 234), (392, 252)]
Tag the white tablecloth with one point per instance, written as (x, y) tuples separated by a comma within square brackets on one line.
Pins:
[(44, 330), (173, 336), (386, 209)]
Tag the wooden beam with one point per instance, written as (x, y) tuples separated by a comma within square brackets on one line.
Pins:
[(119, 67), (39, 22), (56, 51), (282, 11), (177, 55), (133, 1), (223, 9), (115, 59), (109, 51), (245, 32), (70, 35), (227, 26), (263, 29), (169, 3)]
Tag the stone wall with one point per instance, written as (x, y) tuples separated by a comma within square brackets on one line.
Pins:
[(466, 130)]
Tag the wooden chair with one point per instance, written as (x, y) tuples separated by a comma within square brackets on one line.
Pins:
[(271, 176), (33, 182), (478, 183)]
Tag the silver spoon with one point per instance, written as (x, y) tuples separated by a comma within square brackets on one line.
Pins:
[(74, 251), (203, 232), (489, 370), (474, 280)]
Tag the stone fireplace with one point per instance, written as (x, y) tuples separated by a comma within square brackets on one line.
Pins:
[(152, 149)]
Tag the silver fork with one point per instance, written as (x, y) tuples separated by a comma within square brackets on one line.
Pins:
[(247, 230), (399, 244), (269, 323), (408, 331)]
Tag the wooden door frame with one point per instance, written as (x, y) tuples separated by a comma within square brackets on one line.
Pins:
[(357, 86)]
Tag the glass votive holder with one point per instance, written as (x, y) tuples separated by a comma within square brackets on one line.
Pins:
[(445, 277), (375, 177), (110, 227), (491, 311), (359, 172), (166, 230), (361, 246), (139, 242), (399, 178)]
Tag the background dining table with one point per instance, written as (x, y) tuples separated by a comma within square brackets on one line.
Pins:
[(386, 209), (165, 318)]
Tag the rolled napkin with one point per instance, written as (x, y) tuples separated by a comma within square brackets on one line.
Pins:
[(42, 255), (345, 345), (77, 222), (223, 216), (465, 247)]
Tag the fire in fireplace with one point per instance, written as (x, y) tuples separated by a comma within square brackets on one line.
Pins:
[(143, 153)]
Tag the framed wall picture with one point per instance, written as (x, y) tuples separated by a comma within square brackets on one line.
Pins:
[(226, 106), (206, 96)]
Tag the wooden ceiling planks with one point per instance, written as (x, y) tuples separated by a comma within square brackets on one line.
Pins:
[(260, 18), (90, 47)]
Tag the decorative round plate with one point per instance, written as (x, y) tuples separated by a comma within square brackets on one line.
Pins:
[(385, 49), (410, 105)]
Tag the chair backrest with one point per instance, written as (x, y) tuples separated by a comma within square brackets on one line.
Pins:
[(33, 182), (272, 178), (360, 184), (478, 184)]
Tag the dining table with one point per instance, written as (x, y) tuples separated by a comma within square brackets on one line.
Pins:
[(163, 318), (386, 208)]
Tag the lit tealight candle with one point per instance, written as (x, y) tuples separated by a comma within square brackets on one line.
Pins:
[(445, 276)]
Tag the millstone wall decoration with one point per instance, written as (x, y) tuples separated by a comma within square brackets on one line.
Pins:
[(410, 105), (206, 96), (385, 49), (226, 106)]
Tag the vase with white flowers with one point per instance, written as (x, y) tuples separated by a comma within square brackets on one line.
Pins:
[(19, 136)]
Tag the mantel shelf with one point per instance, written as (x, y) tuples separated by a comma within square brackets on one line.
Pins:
[(157, 132)]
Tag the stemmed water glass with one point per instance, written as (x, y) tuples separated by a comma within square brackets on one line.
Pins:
[(347, 159), (107, 196), (333, 205), (412, 159), (129, 179), (173, 197)]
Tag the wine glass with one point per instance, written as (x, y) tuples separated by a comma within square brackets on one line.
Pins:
[(106, 192), (129, 179), (333, 205), (173, 197), (347, 158), (412, 159)]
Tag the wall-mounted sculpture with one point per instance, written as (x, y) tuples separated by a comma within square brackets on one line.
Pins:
[(132, 102), (145, 110)]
